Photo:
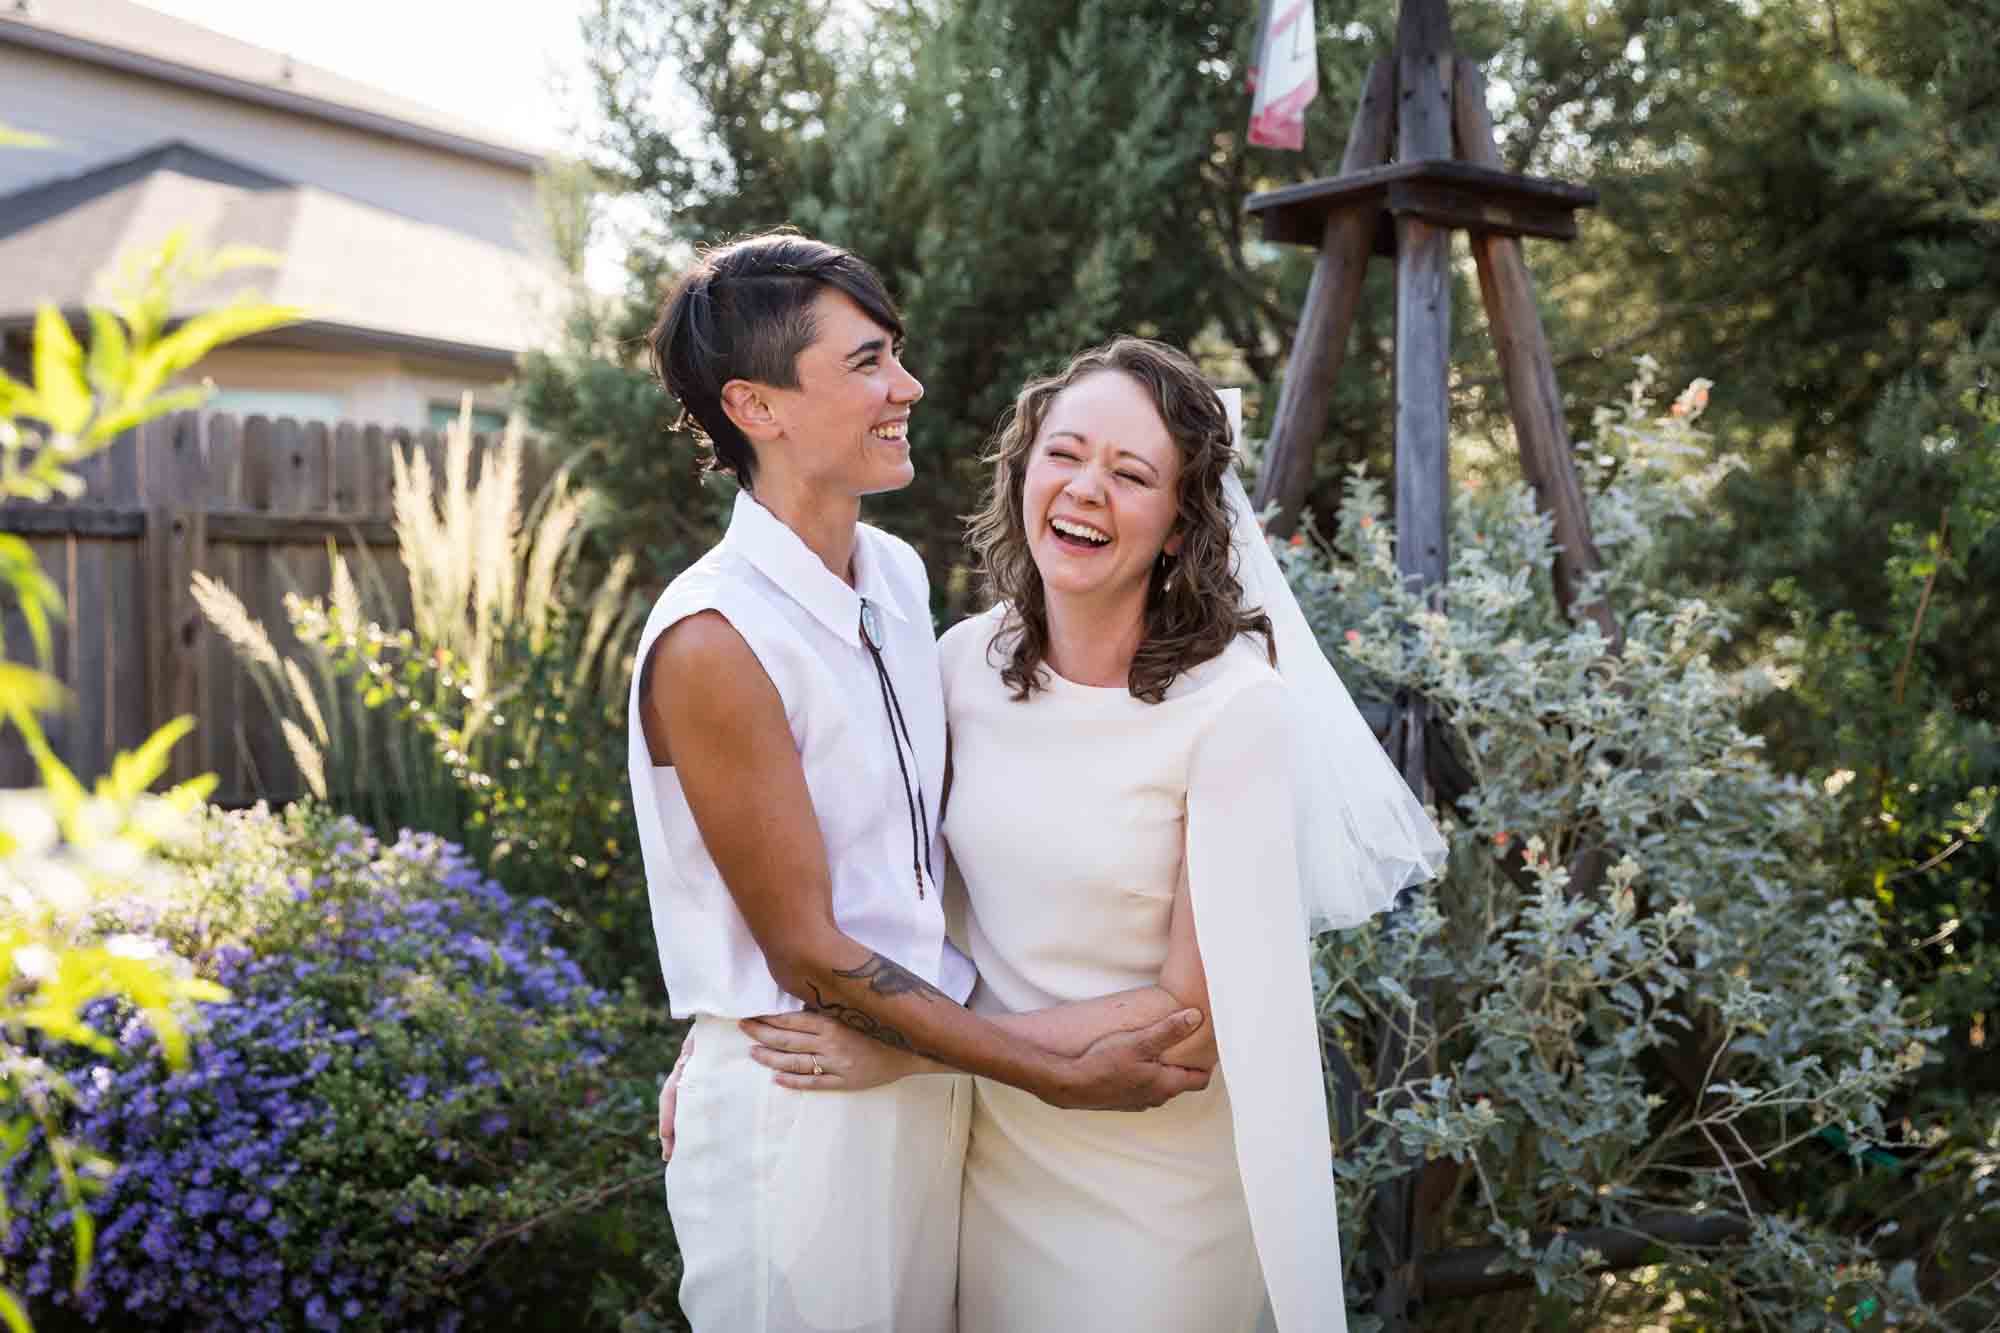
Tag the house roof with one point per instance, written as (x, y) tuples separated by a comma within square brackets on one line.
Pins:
[(121, 35), (363, 274)]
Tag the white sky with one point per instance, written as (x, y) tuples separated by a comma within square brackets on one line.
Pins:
[(494, 63)]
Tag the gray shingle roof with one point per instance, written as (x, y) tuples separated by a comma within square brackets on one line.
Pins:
[(355, 268)]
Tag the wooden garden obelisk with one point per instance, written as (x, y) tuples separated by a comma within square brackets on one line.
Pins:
[(1420, 163)]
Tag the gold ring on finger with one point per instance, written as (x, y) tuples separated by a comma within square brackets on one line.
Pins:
[(817, 1070)]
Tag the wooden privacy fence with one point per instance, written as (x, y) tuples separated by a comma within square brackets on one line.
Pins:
[(251, 502)]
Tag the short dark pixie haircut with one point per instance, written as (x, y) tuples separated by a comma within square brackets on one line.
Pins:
[(745, 312)]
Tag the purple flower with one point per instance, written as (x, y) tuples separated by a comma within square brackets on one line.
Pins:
[(226, 1147)]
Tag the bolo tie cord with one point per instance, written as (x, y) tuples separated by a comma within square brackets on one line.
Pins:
[(920, 851)]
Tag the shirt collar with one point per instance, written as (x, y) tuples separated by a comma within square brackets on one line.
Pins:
[(782, 556)]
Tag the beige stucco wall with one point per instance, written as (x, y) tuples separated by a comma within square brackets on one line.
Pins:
[(374, 389), (100, 116)]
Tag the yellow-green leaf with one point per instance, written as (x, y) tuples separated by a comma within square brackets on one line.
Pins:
[(84, 1227), (64, 789), (26, 689), (190, 795), (110, 355), (198, 336), (11, 1311), (17, 399), (65, 482), (133, 771), (27, 487), (35, 593), (147, 297), (113, 424), (59, 382)]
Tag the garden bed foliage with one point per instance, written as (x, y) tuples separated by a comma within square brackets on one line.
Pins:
[(411, 1088), (1640, 991)]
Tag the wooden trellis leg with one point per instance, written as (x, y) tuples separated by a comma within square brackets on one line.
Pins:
[(1423, 364), (1529, 371), (1327, 322)]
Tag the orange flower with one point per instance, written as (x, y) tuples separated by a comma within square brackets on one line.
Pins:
[(1501, 840), (1367, 520), (1298, 539), (1354, 636)]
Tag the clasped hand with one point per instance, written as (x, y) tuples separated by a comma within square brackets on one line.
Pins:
[(1120, 1071)]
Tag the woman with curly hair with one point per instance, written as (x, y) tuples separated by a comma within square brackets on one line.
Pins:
[(1134, 742)]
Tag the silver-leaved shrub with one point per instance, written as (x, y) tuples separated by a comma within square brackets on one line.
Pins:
[(1636, 994)]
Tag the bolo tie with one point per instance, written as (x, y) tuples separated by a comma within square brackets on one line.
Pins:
[(899, 736)]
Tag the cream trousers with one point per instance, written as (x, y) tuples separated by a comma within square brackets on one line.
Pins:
[(814, 1212)]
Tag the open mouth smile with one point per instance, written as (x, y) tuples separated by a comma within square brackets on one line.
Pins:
[(1080, 536), (896, 432)]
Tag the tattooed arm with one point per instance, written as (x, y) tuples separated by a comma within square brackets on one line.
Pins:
[(883, 976), (710, 711)]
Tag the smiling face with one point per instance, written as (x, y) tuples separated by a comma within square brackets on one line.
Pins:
[(1101, 491), (845, 428)]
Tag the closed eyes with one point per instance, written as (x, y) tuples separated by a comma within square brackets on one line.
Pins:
[(1068, 457)]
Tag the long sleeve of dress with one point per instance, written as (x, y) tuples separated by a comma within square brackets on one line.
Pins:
[(1250, 925)]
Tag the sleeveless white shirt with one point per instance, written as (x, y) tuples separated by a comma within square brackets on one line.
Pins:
[(803, 624)]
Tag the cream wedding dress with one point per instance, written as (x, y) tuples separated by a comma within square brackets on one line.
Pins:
[(1073, 817)]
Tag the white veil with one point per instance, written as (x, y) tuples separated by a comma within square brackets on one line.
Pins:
[(1362, 837)]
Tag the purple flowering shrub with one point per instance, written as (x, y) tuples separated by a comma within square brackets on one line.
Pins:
[(412, 1092)]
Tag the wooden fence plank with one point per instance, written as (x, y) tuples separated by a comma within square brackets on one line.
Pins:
[(260, 749), (226, 688), (120, 619), (347, 468), (314, 491), (90, 665), (176, 538), (298, 486)]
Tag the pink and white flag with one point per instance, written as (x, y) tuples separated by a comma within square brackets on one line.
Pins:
[(1284, 76)]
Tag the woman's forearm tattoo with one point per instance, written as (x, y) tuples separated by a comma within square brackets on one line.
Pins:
[(883, 976)]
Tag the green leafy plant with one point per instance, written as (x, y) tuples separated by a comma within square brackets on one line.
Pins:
[(1638, 1001), (65, 849)]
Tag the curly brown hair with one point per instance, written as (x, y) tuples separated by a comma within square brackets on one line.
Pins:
[(1194, 603)]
